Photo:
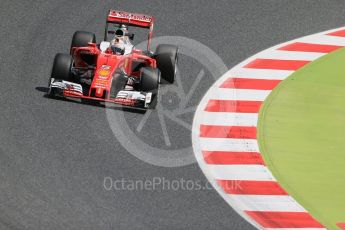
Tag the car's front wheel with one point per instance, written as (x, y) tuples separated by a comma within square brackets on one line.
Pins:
[(118, 84), (62, 70), (149, 78), (62, 67), (149, 82)]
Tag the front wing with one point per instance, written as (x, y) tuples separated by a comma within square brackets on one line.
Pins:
[(136, 99)]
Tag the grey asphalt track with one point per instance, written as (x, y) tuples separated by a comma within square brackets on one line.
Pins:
[(54, 155)]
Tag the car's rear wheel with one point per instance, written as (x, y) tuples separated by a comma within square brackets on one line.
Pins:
[(82, 39), (167, 58)]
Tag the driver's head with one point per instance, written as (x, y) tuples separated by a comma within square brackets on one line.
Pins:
[(118, 46)]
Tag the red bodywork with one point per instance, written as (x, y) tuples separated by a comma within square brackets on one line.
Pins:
[(107, 63)]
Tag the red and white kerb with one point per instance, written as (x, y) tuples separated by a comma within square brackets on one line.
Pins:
[(225, 134)]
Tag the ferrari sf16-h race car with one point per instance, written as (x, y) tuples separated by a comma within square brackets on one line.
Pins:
[(114, 71)]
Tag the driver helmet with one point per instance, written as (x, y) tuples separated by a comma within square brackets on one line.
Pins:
[(118, 46)]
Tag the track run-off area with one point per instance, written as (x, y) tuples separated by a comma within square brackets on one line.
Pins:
[(233, 139)]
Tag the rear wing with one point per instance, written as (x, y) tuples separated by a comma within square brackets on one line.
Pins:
[(131, 19)]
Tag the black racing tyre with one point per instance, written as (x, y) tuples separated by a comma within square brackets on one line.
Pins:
[(82, 38), (167, 58), (119, 82), (62, 67), (149, 79)]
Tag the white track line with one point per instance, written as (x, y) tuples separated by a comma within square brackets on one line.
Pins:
[(238, 94), (230, 119), (228, 144), (267, 203), (291, 55), (324, 40), (260, 74), (241, 172)]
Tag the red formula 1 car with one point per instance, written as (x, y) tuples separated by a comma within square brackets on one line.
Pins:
[(114, 71)]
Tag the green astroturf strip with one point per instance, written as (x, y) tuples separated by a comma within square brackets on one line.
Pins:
[(302, 137)]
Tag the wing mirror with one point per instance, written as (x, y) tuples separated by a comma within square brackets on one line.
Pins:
[(104, 46)]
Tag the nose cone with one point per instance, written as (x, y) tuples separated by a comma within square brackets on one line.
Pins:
[(99, 92), (102, 80)]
